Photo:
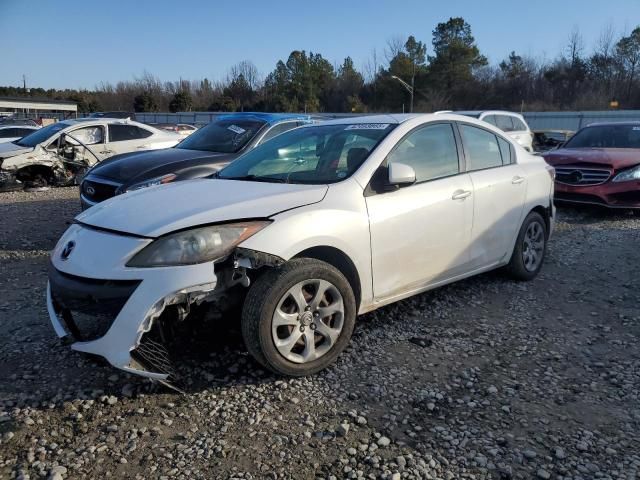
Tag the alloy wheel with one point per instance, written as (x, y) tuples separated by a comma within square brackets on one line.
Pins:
[(533, 246), (308, 320)]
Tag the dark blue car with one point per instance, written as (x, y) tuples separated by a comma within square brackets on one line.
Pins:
[(201, 154)]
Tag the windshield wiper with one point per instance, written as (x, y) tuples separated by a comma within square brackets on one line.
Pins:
[(255, 178)]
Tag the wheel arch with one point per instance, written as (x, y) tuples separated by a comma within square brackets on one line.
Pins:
[(340, 260), (545, 214), (28, 172)]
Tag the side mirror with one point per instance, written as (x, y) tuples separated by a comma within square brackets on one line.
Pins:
[(401, 174)]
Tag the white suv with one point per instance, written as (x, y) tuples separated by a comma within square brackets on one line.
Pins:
[(513, 124), (307, 231)]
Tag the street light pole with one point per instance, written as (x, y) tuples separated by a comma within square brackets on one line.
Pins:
[(409, 89)]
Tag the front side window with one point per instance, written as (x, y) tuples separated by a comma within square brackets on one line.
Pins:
[(504, 123), (311, 155), (490, 119), (122, 133), (481, 148), (430, 150), (223, 136), (86, 135)]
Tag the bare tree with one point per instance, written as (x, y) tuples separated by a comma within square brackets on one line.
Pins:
[(395, 45), (575, 48), (247, 70)]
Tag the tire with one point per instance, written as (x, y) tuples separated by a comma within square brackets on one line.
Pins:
[(272, 291), (521, 266)]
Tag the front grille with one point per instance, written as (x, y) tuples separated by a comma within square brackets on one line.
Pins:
[(582, 176), (97, 191), (88, 307)]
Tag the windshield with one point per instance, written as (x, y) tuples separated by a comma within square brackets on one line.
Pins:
[(606, 136), (316, 154), (39, 136), (223, 136)]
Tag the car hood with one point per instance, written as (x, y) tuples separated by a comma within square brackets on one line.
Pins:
[(10, 149), (155, 211), (616, 158), (133, 167)]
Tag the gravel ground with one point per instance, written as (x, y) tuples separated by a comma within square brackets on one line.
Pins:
[(486, 378)]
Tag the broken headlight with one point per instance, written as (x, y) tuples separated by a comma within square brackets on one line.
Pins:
[(198, 245)]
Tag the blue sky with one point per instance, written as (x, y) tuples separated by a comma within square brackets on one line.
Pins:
[(80, 43)]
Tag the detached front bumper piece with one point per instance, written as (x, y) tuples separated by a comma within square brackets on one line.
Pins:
[(99, 306), (9, 182)]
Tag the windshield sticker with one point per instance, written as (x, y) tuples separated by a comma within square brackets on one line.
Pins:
[(367, 126), (236, 129)]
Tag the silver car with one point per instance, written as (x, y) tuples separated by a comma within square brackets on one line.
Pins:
[(312, 228)]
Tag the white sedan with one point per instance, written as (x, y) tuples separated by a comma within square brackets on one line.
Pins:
[(59, 153), (310, 229), (11, 133)]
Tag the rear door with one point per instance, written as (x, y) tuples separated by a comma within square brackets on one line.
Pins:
[(499, 189), (124, 138)]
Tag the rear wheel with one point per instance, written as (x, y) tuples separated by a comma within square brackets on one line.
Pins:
[(298, 318), (531, 246)]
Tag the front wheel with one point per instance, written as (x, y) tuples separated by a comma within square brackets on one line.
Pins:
[(298, 318), (531, 246)]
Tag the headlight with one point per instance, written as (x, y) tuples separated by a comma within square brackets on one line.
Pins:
[(627, 175), (169, 177), (199, 245)]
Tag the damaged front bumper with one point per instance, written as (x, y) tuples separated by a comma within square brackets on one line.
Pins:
[(99, 306)]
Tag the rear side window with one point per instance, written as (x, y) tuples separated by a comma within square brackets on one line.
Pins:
[(505, 150), (9, 133), (121, 133), (481, 148), (504, 123), (518, 125), (431, 151)]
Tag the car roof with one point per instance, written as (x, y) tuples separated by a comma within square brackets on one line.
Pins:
[(264, 117), (629, 123), (30, 127), (484, 112), (396, 119)]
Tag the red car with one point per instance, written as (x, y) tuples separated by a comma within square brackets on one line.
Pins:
[(599, 165)]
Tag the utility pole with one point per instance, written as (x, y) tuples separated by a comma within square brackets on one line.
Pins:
[(24, 82), (409, 89)]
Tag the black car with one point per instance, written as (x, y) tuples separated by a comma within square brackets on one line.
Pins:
[(201, 154)]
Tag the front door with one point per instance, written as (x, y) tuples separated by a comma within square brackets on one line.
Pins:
[(420, 233)]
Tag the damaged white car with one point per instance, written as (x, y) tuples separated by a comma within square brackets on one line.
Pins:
[(306, 231), (62, 152)]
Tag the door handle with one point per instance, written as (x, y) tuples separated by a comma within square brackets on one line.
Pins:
[(460, 194), (141, 147), (517, 180), (106, 152)]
